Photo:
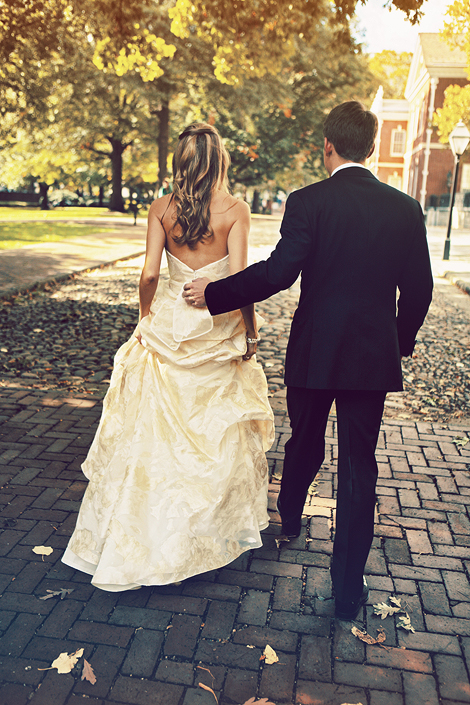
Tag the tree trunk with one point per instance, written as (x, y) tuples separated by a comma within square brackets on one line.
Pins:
[(101, 197), (255, 204), (163, 140), (43, 199), (116, 202)]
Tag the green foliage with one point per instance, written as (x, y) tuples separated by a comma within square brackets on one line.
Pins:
[(456, 107), (391, 69), (273, 126), (456, 104), (85, 85), (43, 156), (253, 38)]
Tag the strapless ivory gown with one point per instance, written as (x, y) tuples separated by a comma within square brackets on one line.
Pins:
[(177, 470)]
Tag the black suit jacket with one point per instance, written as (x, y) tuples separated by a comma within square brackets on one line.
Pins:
[(355, 240)]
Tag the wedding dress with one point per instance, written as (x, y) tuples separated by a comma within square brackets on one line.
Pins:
[(177, 470)]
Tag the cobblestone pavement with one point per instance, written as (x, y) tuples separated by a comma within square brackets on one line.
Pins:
[(156, 646)]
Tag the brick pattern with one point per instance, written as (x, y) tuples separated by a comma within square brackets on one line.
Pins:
[(157, 644)]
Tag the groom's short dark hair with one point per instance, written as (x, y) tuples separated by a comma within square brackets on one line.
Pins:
[(352, 130)]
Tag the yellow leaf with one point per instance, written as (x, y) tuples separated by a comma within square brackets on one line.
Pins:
[(65, 662), (270, 655), (43, 550)]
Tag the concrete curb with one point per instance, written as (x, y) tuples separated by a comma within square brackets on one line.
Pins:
[(462, 284)]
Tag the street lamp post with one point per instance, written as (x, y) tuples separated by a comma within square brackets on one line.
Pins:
[(458, 139)]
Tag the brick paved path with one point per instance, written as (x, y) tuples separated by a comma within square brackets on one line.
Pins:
[(152, 646)]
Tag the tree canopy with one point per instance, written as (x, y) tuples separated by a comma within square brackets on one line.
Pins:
[(391, 69), (456, 105), (253, 37), (100, 76)]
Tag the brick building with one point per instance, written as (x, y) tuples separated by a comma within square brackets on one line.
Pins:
[(387, 162), (409, 155)]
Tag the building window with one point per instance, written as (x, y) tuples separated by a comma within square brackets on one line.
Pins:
[(465, 182), (398, 145), (394, 180)]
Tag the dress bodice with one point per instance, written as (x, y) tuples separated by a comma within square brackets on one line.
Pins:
[(172, 321), (180, 273)]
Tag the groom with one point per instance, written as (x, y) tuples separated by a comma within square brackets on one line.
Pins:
[(356, 241)]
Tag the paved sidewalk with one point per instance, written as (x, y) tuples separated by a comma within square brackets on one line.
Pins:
[(457, 268), (156, 645), (30, 266), (26, 267)]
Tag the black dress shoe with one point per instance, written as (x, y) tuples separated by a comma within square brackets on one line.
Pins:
[(291, 533), (348, 611)]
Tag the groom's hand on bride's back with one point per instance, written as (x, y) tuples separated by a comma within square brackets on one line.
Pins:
[(194, 292)]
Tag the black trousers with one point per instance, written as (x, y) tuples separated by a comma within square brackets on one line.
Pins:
[(359, 414)]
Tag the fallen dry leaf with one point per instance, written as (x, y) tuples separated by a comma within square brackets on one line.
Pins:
[(404, 622), (263, 701), (54, 593), (88, 673), (385, 610), (312, 490), (281, 539), (367, 638), (270, 655), (395, 601), (206, 687), (65, 662), (43, 551), (460, 441)]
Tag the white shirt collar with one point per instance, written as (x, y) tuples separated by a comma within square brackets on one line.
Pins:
[(345, 166)]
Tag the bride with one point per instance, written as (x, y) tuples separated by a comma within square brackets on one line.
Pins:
[(177, 470)]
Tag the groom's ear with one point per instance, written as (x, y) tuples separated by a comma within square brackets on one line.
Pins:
[(328, 148)]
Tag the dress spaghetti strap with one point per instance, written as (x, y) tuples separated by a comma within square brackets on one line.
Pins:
[(164, 214)]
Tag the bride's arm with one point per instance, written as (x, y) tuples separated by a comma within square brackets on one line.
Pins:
[(237, 244), (153, 257)]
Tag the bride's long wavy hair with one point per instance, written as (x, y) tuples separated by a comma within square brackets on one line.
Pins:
[(200, 165)]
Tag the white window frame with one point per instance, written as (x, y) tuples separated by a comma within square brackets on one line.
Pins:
[(393, 151), (395, 180)]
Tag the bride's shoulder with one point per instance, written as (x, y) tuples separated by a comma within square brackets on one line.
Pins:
[(226, 203), (160, 206)]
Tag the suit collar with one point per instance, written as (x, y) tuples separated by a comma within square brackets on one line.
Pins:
[(353, 172)]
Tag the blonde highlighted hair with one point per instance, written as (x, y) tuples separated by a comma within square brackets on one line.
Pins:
[(200, 165)]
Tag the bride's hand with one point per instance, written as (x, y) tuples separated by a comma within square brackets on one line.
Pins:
[(251, 346)]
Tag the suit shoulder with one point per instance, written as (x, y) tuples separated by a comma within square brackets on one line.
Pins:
[(393, 194), (306, 191)]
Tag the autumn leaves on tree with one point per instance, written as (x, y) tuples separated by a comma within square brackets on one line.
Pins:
[(92, 87)]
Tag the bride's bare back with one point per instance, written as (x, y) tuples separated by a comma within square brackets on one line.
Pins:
[(229, 221), (230, 224)]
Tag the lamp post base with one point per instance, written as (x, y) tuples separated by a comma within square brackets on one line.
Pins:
[(446, 249)]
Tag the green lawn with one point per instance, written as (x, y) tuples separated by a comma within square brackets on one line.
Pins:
[(20, 234), (15, 213)]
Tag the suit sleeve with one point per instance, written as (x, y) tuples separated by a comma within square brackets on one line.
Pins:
[(263, 279), (415, 286)]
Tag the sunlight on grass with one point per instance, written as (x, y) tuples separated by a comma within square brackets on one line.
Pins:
[(12, 213), (20, 234)]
